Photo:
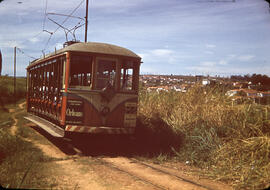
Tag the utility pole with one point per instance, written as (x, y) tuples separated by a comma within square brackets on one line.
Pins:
[(86, 21), (15, 75)]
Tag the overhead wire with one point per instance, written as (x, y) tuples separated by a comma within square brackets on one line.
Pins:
[(59, 14), (43, 30), (59, 25), (21, 51), (70, 14)]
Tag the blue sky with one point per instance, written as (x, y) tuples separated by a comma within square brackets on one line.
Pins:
[(172, 37)]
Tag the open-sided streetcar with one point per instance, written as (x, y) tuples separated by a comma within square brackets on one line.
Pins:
[(84, 88)]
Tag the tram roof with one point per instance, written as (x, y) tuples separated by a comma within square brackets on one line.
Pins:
[(97, 47), (93, 47)]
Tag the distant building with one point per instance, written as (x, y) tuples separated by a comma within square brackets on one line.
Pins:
[(199, 78), (158, 88), (264, 94), (251, 92), (181, 88), (248, 92), (231, 93), (205, 81)]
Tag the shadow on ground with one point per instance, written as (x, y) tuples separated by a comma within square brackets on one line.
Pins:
[(148, 141)]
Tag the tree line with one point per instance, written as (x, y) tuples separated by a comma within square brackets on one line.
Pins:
[(254, 78)]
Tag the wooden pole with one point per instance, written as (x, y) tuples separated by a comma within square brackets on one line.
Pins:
[(86, 21), (15, 75)]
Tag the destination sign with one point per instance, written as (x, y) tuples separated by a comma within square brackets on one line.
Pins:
[(74, 112)]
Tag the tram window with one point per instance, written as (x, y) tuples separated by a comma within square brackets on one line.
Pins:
[(106, 73), (127, 72), (80, 71)]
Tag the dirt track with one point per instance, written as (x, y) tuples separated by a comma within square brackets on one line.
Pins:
[(12, 111), (74, 167), (107, 163)]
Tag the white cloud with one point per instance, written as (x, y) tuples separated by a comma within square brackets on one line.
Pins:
[(157, 54), (208, 63), (59, 46), (164, 32), (142, 55), (210, 46), (213, 63), (209, 52), (222, 62), (209, 66), (160, 56), (202, 69), (245, 57), (11, 44), (161, 52), (231, 56), (34, 40)]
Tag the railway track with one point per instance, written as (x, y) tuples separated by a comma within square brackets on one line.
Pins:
[(115, 167), (151, 175), (171, 174), (143, 172)]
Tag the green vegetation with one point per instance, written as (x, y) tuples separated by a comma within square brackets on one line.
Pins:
[(7, 89), (262, 81), (17, 155), (231, 143), (20, 161)]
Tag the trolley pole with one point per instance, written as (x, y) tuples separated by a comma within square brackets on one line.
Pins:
[(15, 75), (86, 21)]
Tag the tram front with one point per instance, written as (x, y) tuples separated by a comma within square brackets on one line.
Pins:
[(100, 93)]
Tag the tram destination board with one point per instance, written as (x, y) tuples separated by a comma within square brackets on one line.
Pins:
[(74, 112)]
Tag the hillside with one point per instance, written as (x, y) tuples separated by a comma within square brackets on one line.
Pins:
[(203, 128), (7, 89)]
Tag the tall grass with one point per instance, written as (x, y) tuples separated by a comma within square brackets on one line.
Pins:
[(18, 156), (7, 89), (231, 141)]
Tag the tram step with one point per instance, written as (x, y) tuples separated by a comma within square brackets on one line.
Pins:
[(51, 128)]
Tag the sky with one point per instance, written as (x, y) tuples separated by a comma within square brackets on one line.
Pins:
[(180, 37)]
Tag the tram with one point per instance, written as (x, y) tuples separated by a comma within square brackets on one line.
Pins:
[(84, 88)]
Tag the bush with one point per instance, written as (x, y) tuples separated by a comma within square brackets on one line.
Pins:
[(214, 132), (7, 89)]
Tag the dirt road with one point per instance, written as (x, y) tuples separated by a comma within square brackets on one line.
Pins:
[(91, 162), (103, 164), (14, 113)]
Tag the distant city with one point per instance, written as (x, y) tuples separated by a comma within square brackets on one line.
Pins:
[(255, 87)]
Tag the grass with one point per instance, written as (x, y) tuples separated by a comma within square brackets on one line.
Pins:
[(17, 156), (21, 163), (231, 143), (7, 89)]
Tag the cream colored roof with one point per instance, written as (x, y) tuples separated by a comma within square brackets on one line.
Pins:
[(92, 47), (95, 47)]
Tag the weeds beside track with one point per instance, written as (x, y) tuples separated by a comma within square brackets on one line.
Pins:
[(203, 128)]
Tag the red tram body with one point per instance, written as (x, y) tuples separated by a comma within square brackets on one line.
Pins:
[(84, 88)]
